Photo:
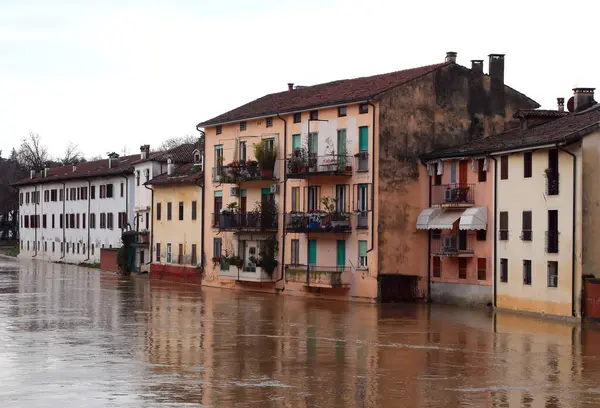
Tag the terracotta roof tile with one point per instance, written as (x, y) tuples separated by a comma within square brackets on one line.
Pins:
[(566, 129), (539, 113), (331, 93), (184, 174), (181, 154)]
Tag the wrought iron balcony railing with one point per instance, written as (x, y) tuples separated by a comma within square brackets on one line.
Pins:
[(317, 222), (235, 173), (456, 194), (247, 221), (552, 184), (452, 245), (302, 165)]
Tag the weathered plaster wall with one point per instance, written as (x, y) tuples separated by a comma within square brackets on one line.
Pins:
[(466, 294), (440, 109), (591, 204)]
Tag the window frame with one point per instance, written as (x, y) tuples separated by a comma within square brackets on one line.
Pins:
[(297, 117), (342, 111), (527, 275), (363, 108), (527, 164), (504, 167), (504, 270)]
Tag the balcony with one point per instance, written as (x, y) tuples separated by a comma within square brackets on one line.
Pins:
[(453, 245), (552, 178), (318, 276), (300, 165), (235, 173), (318, 222), (447, 195), (361, 220), (245, 222), (552, 242)]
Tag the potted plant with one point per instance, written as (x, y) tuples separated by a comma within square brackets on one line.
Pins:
[(236, 261), (266, 214), (144, 236), (268, 256), (266, 157), (298, 161)]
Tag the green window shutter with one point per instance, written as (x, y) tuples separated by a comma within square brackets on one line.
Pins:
[(312, 251), (362, 248), (341, 142), (313, 143), (296, 143), (363, 138), (341, 253), (265, 191), (219, 193)]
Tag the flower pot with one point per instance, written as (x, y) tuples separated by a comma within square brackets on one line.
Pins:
[(266, 173)]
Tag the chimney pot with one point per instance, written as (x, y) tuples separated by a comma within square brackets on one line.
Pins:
[(46, 172), (477, 66), (74, 167), (561, 104), (170, 167), (451, 56), (583, 98), (144, 151), (290, 86), (31, 173)]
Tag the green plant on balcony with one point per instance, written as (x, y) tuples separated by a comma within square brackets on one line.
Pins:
[(266, 155), (268, 256), (265, 211), (236, 261), (298, 161)]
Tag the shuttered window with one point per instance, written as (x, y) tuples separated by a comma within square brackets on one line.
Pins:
[(503, 225), (363, 138), (504, 167)]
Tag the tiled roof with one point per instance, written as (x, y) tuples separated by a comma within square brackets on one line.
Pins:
[(539, 113), (569, 128), (97, 168), (331, 93), (183, 174), (181, 154)]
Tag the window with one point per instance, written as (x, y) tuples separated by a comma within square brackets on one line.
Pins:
[(109, 191), (342, 111), (83, 249), (158, 252), (181, 211), (527, 164), (503, 226), (314, 115), (72, 218), (504, 270), (158, 211), (462, 268), (437, 267), (147, 220), (552, 172), (481, 269), (552, 274), (92, 220), (217, 205), (46, 196), (526, 272), (73, 194), (313, 199), (269, 122), (453, 171), (21, 203), (92, 249), (103, 191), (481, 173), (219, 129), (44, 221), (83, 221), (79, 193), (363, 108), (437, 177), (362, 254), (363, 138), (84, 193), (109, 220), (552, 233), (102, 220), (481, 235), (26, 198), (295, 252), (60, 221), (169, 254), (123, 186), (295, 199), (28, 245), (194, 256), (297, 117), (217, 245), (53, 195), (53, 224), (180, 255), (137, 181), (504, 167), (53, 246), (67, 245), (526, 232), (243, 125), (78, 247), (436, 234), (242, 152), (147, 171), (194, 210), (92, 193), (45, 246), (169, 211)]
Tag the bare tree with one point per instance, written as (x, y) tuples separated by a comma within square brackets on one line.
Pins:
[(32, 154), (176, 141), (10, 171), (72, 155)]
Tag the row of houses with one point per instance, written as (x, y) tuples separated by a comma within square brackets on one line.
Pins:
[(438, 182)]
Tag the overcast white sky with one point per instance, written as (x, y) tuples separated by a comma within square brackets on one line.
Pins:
[(107, 74)]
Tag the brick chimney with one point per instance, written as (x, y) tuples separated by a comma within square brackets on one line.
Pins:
[(583, 98), (497, 83), (170, 166), (74, 167), (31, 173), (561, 104), (112, 159), (290, 86), (144, 151), (451, 56), (477, 67)]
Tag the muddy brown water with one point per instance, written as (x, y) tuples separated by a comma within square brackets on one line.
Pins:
[(72, 336)]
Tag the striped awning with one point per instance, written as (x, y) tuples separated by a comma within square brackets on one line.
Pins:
[(426, 216), (445, 220), (474, 218)]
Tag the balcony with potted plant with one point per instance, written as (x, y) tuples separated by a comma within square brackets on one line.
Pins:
[(331, 219), (318, 276), (302, 164)]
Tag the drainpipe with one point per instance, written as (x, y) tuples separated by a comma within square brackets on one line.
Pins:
[(283, 232), (201, 223), (88, 219), (151, 223), (126, 220), (372, 181), (64, 222), (429, 250), (495, 260), (573, 255), (35, 221), (203, 200)]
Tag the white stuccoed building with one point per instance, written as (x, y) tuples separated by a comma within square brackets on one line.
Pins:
[(69, 213)]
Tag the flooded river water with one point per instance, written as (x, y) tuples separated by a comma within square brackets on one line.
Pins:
[(77, 337)]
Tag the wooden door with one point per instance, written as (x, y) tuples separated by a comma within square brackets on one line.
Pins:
[(462, 172)]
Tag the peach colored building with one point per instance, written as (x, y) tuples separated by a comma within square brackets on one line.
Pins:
[(336, 193), (541, 198)]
